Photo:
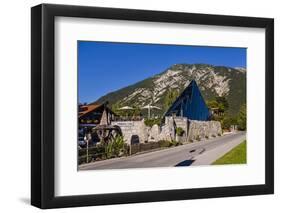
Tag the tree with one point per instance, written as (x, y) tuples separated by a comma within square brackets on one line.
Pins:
[(242, 118), (170, 98), (136, 111), (227, 122), (212, 104), (115, 108), (151, 121), (222, 103)]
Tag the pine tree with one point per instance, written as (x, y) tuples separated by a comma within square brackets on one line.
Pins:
[(242, 118), (170, 97)]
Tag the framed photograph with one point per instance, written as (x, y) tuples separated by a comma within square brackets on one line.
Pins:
[(139, 106)]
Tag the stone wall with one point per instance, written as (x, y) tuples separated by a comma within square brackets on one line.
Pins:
[(201, 129), (193, 130), (168, 131), (154, 133), (182, 122), (133, 131), (138, 132)]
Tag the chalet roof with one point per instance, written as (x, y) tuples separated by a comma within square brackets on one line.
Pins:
[(89, 108)]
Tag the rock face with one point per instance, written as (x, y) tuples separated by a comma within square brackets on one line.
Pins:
[(212, 81)]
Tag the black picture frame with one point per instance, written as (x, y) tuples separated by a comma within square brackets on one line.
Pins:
[(43, 117)]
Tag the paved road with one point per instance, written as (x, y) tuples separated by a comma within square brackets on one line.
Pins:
[(198, 153)]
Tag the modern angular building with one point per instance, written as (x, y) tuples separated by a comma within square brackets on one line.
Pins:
[(190, 104)]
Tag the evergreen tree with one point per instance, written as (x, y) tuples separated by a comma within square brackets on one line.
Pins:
[(170, 97), (242, 118), (222, 103)]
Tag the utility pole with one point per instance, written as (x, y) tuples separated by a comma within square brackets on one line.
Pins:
[(87, 152)]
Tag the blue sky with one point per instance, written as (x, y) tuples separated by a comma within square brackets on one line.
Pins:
[(104, 67)]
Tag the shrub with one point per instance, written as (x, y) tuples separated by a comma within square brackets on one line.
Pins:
[(213, 135), (174, 143), (164, 143), (93, 150), (179, 131), (126, 150), (115, 147), (81, 160), (151, 121), (109, 150), (207, 136), (226, 123), (198, 138), (242, 118)]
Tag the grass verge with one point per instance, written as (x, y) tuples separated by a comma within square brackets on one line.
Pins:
[(238, 155)]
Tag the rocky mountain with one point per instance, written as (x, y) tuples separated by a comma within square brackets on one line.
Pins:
[(212, 80)]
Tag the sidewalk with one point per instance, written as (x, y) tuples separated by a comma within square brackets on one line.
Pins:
[(212, 155)]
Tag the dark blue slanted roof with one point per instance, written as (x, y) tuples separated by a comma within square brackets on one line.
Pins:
[(190, 104)]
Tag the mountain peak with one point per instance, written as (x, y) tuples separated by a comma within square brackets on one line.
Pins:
[(212, 80), (241, 69)]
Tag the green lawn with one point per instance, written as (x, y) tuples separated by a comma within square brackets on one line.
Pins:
[(236, 156)]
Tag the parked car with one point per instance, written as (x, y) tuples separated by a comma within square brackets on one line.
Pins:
[(81, 140)]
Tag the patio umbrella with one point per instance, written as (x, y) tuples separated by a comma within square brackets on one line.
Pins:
[(149, 107), (126, 108)]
